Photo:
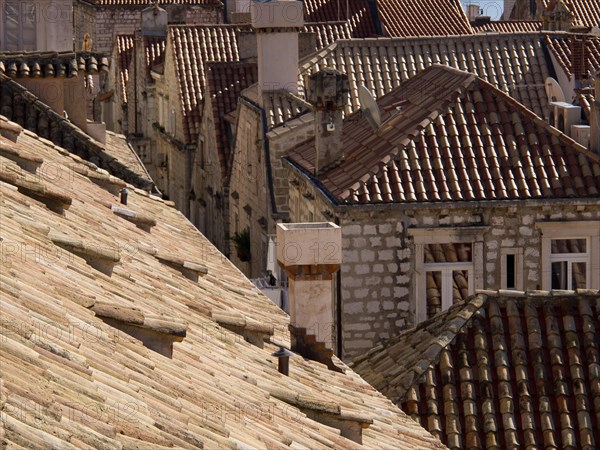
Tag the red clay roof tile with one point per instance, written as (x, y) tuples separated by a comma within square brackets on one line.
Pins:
[(377, 161)]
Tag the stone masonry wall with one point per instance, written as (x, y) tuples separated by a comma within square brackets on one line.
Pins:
[(104, 23), (378, 275)]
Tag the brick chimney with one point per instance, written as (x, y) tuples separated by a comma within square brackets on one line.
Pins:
[(595, 118), (277, 24), (310, 253), (327, 91)]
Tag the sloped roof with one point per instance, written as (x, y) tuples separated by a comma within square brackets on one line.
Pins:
[(359, 15), (328, 32), (225, 82), (24, 108), (116, 145), (514, 63), (422, 18), (155, 52), (70, 379), (193, 47), (124, 43), (455, 138), (501, 370), (585, 12), (51, 64), (508, 26), (154, 47), (561, 48)]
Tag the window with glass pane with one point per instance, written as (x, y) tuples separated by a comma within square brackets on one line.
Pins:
[(445, 287), (568, 263)]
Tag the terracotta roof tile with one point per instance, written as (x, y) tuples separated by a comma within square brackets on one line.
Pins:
[(423, 18), (71, 379), (509, 26), (125, 45), (329, 32), (193, 47), (561, 48), (501, 370), (455, 138), (51, 64), (225, 82), (586, 12), (155, 54), (515, 64), (359, 16)]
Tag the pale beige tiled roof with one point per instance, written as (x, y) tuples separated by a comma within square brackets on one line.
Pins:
[(455, 138), (116, 145), (24, 108), (515, 64), (501, 370), (70, 380)]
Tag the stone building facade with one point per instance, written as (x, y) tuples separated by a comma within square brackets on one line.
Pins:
[(104, 20), (493, 200), (382, 288)]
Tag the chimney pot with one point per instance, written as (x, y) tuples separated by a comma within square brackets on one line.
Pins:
[(277, 25), (123, 194), (283, 355), (328, 91)]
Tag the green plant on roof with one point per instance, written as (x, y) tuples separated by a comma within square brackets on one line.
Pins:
[(241, 240)]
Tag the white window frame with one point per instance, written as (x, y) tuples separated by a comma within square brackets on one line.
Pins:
[(439, 235), (518, 253), (589, 230)]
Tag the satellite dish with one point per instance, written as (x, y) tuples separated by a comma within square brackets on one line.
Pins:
[(554, 91), (369, 107)]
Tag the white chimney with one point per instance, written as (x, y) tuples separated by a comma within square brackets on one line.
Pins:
[(310, 253), (277, 25), (595, 118)]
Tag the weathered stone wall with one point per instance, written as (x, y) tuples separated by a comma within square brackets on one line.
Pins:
[(378, 275), (104, 23), (281, 140), (250, 203)]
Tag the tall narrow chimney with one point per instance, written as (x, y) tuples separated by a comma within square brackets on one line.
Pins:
[(310, 253), (277, 24), (328, 93), (595, 119)]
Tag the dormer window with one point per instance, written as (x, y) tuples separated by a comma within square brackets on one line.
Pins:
[(19, 19)]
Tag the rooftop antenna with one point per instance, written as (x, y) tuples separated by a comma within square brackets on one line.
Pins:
[(369, 107), (554, 91)]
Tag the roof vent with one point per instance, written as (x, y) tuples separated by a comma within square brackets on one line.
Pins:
[(99, 256), (283, 357), (327, 413), (157, 333), (188, 269)]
